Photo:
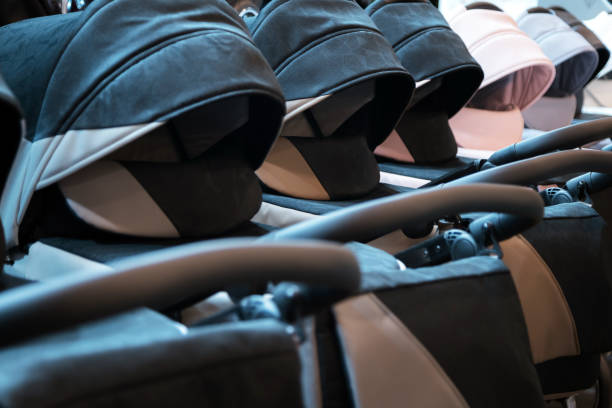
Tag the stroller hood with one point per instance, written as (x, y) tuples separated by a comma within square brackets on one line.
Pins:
[(441, 64), (575, 61), (345, 91), (603, 52), (92, 82), (517, 74), (574, 58)]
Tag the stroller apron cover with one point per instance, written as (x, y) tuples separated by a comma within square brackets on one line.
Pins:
[(350, 102), (575, 62), (517, 74), (447, 78), (139, 105)]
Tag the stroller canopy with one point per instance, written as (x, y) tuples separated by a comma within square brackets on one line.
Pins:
[(575, 61), (91, 83), (517, 74), (603, 53), (345, 90), (445, 71)]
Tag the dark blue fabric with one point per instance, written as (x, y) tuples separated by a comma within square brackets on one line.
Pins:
[(123, 62)]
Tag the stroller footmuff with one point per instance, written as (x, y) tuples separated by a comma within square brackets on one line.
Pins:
[(394, 338), (138, 357), (575, 61)]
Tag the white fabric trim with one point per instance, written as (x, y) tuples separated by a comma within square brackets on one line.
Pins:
[(277, 216), (474, 153), (297, 106), (403, 181), (44, 262), (46, 161), (597, 110)]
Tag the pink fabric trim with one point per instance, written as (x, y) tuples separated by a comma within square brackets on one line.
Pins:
[(394, 148), (487, 130)]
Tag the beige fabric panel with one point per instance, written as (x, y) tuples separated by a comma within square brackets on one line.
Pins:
[(550, 324), (388, 366), (286, 171), (277, 216), (108, 197)]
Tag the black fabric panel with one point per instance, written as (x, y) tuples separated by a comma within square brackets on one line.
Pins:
[(312, 31), (323, 207), (334, 159), (141, 359), (602, 202), (575, 243), (429, 49), (343, 163), (10, 118), (424, 171), (427, 135), (28, 56), (332, 375), (113, 248), (568, 374), (16, 10), (570, 77), (204, 197), (468, 316), (121, 45)]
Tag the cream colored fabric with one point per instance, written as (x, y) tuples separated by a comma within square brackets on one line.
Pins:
[(550, 324), (45, 262), (402, 181), (286, 171), (277, 216), (108, 197), (388, 366), (297, 106)]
